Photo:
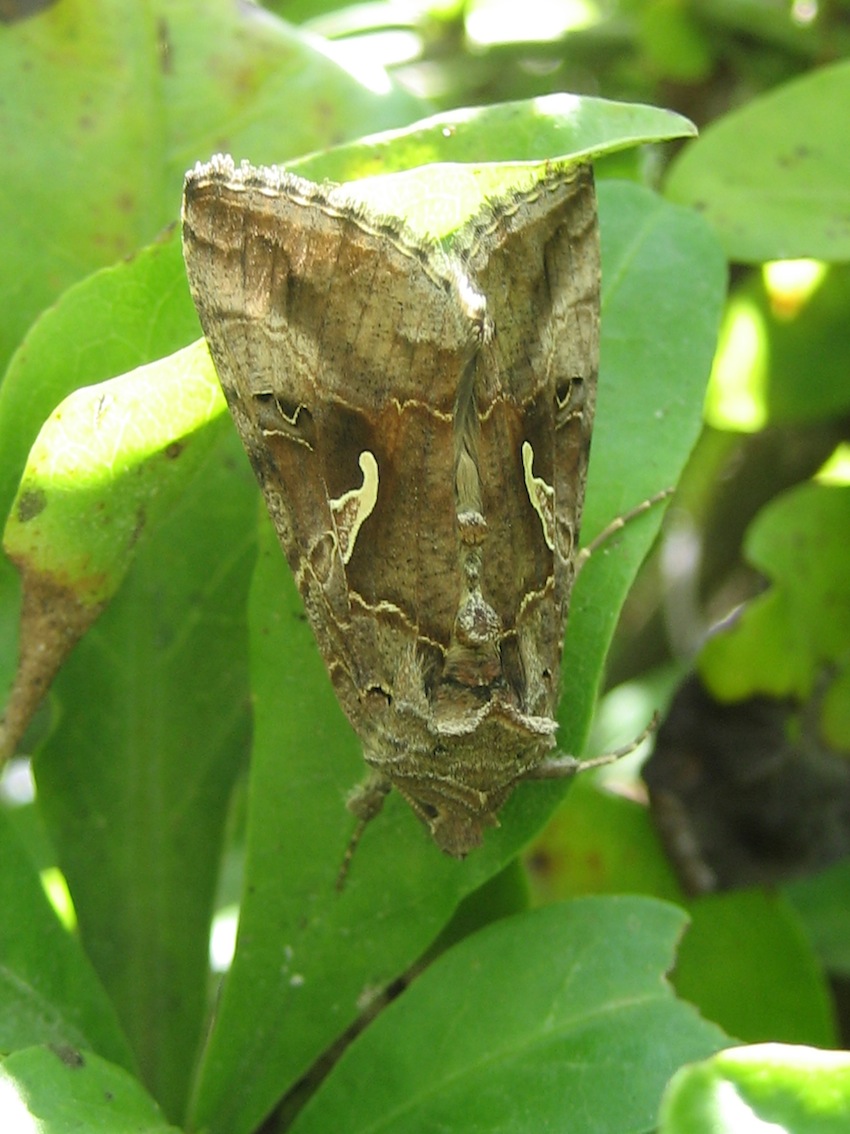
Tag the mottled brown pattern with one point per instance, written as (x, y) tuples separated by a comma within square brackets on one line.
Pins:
[(384, 390)]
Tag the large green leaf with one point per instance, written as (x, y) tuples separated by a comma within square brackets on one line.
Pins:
[(527, 132), (774, 176), (308, 955), (136, 777), (552, 1020), (771, 984), (104, 105), (135, 780)]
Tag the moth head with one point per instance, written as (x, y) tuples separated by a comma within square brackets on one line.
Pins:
[(456, 826)]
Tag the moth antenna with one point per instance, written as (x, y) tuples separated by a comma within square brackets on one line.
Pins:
[(563, 767), (617, 524)]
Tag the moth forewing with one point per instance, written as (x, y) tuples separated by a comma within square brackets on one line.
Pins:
[(536, 257), (420, 424)]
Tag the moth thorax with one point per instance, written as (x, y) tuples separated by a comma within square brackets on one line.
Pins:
[(473, 304), (477, 624), (473, 659), (472, 527)]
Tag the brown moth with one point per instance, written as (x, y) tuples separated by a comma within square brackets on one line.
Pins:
[(420, 422)]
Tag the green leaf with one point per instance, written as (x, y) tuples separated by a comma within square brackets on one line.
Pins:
[(122, 451), (401, 891), (787, 1090), (478, 153), (529, 132), (79, 124), (599, 842), (104, 107), (774, 177), (768, 340), (674, 41), (662, 271), (111, 461), (58, 1089), (821, 904), (48, 990), (114, 321), (771, 984), (135, 780), (550, 1020), (785, 637), (247, 80)]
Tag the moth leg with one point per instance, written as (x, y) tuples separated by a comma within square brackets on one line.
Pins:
[(617, 524), (364, 802), (562, 767)]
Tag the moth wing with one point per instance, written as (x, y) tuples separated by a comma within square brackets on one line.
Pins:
[(339, 342), (536, 258)]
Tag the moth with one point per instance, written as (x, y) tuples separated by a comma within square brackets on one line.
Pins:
[(419, 419)]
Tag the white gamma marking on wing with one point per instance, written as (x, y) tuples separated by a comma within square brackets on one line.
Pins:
[(541, 495), (355, 506)]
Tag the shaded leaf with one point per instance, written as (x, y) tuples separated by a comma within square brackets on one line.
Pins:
[(48, 990), (792, 640), (135, 779), (774, 177), (550, 1020), (771, 982), (771, 985), (104, 107), (821, 903)]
